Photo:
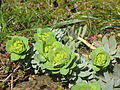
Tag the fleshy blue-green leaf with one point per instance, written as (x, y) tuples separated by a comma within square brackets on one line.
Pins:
[(51, 55), (106, 44), (8, 45), (55, 72), (84, 74), (25, 40), (113, 45), (39, 46), (15, 57), (40, 58), (22, 56), (49, 66), (72, 60), (64, 71), (36, 38)]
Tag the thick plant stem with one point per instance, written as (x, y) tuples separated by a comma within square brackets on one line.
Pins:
[(86, 43)]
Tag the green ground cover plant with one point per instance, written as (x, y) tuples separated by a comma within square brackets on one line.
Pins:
[(100, 59), (17, 46), (74, 42), (54, 58), (52, 54), (86, 86)]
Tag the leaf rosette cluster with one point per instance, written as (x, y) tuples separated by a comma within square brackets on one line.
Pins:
[(101, 59), (17, 47), (53, 55), (86, 86), (44, 35)]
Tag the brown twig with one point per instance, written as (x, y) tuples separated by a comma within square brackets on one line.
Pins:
[(2, 61), (11, 82), (11, 74)]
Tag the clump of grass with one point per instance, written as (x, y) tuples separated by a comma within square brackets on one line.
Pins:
[(25, 14), (102, 14), (19, 15)]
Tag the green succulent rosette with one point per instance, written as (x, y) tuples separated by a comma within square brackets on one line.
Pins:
[(60, 60), (44, 35), (17, 47), (100, 58), (44, 48), (55, 57), (51, 54), (87, 86)]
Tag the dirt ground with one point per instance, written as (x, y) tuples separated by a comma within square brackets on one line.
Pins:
[(42, 82)]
